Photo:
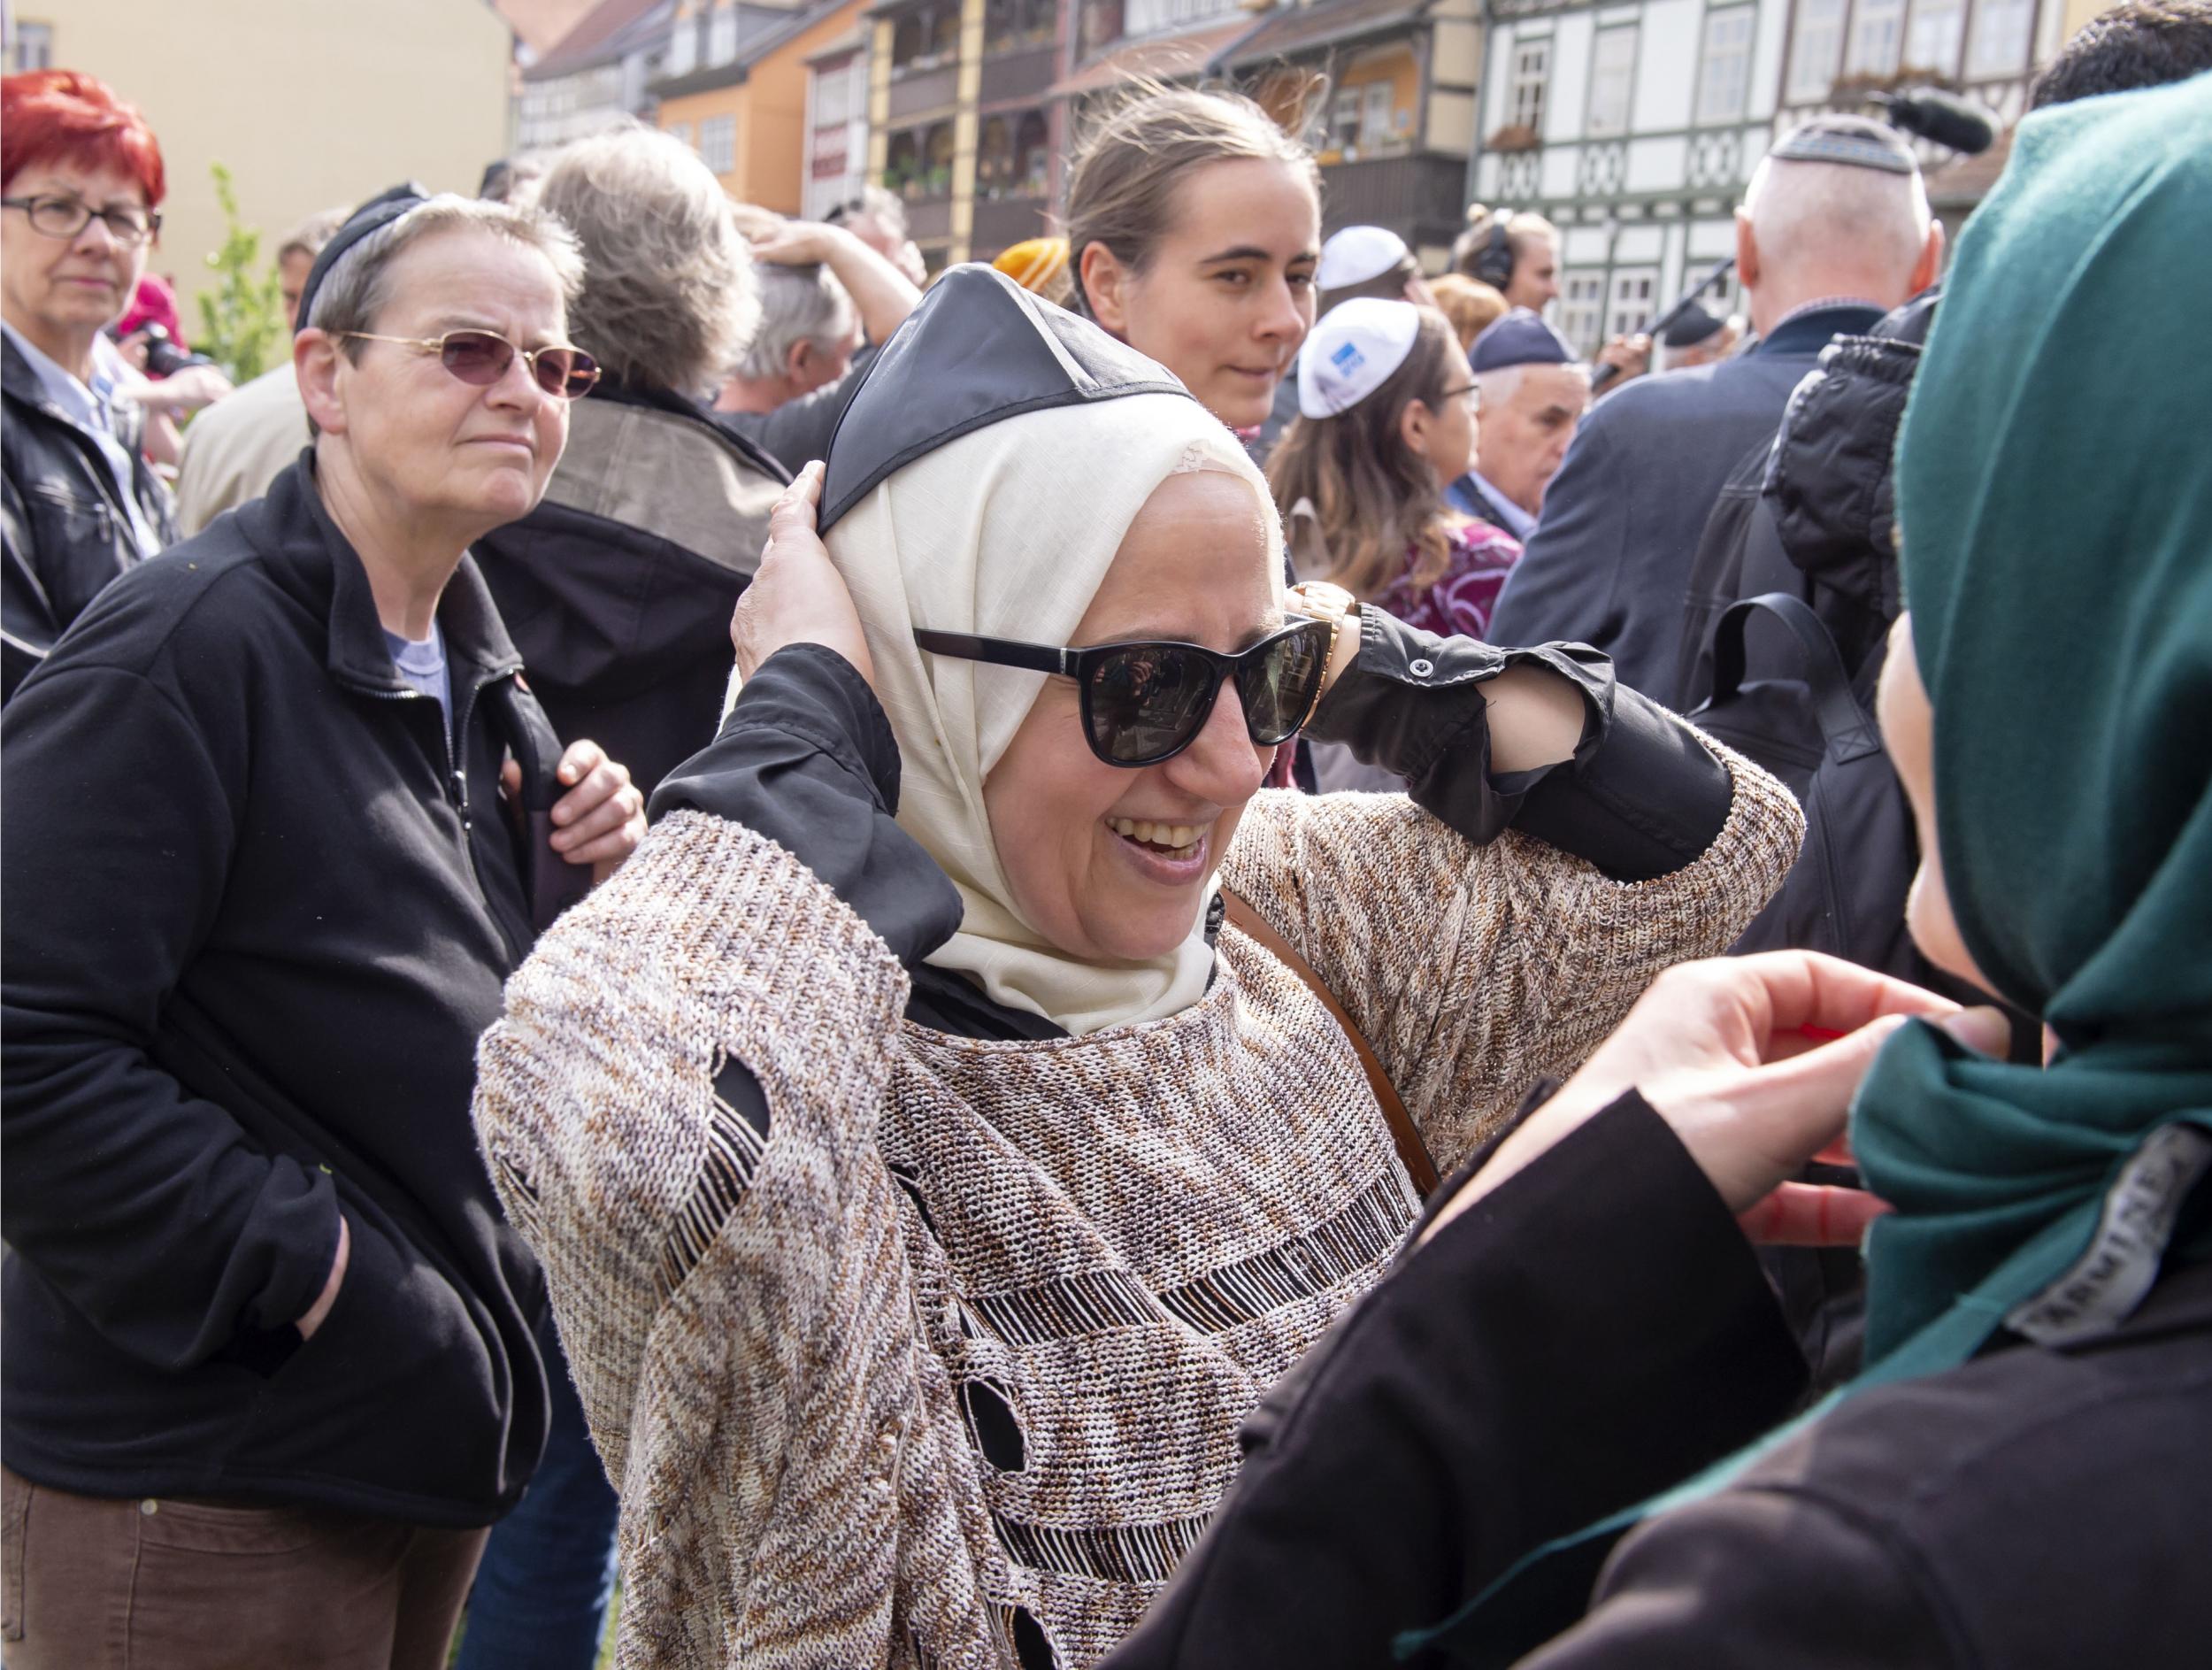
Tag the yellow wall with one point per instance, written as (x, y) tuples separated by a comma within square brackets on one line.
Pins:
[(692, 110), (308, 103), (1396, 66), (769, 106), (773, 153)]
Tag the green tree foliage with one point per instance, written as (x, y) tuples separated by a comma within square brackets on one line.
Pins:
[(242, 321)]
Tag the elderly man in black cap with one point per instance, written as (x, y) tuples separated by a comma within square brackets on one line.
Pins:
[(1697, 338), (1833, 232), (286, 817), (1530, 393)]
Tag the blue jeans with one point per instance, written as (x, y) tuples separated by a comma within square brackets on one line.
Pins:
[(541, 1593)]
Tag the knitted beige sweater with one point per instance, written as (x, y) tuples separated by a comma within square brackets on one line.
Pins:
[(950, 1368)]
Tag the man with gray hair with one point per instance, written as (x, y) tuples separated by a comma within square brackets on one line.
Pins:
[(1833, 232), (1530, 392), (809, 332), (823, 289)]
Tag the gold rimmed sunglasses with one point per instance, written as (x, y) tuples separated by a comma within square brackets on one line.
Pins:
[(480, 358)]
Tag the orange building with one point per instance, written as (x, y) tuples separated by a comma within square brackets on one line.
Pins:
[(736, 88)]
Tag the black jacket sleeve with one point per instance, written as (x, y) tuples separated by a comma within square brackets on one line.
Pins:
[(1642, 796), (1752, 1579), (806, 758), (145, 1205), (1587, 1335)]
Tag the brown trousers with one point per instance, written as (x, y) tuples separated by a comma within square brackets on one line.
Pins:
[(164, 1584)]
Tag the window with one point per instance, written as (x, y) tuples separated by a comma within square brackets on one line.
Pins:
[(1723, 75), (682, 130), (1813, 53), (683, 47), (1612, 83), (718, 143), (2001, 37), (1932, 43), (1148, 16), (1532, 71), (34, 47), (1582, 310), (1631, 307), (1344, 119), (1877, 35), (722, 36), (833, 95), (1374, 116)]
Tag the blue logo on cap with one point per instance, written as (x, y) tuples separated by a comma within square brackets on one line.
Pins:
[(1348, 360)]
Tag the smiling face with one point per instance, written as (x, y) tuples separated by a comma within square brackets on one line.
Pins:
[(1228, 294), (1106, 862), (61, 292), (434, 449)]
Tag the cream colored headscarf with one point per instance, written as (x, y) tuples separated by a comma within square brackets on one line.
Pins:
[(1008, 533)]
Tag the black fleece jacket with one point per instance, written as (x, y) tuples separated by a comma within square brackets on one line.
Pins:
[(256, 917)]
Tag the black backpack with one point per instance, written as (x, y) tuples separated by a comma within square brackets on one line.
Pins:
[(1812, 725)]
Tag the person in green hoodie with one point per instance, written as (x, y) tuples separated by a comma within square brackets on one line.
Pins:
[(1561, 1435)]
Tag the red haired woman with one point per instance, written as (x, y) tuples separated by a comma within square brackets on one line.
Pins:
[(81, 176)]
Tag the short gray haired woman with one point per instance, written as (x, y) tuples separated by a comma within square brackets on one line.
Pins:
[(617, 588), (293, 801), (927, 1181)]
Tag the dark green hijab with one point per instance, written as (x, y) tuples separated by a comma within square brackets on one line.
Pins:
[(2055, 497), (2055, 491)]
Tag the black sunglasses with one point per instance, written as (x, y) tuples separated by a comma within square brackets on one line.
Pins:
[(1146, 701)]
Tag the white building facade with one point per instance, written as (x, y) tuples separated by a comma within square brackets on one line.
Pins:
[(1633, 128), (581, 87)]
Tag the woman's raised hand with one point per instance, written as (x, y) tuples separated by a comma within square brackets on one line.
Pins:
[(797, 595), (1753, 1061)]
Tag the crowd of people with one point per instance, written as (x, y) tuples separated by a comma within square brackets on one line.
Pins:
[(1034, 967)]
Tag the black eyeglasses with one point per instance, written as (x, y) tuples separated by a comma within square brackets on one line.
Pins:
[(1144, 702), (66, 217), (481, 357)]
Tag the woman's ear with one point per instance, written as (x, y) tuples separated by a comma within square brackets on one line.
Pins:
[(1414, 424), (316, 360), (1105, 280)]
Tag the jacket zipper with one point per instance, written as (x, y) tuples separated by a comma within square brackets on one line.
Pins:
[(455, 778)]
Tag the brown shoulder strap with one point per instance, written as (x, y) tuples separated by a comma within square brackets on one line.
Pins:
[(1412, 1152)]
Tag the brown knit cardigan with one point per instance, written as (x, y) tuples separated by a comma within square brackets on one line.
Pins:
[(947, 1371)]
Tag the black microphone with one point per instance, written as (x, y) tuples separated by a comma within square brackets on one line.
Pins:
[(1959, 123), (1605, 374)]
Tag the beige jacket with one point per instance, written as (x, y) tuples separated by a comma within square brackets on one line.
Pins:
[(949, 1369)]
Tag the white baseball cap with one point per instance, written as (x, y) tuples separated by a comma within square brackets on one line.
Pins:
[(1352, 352), (1357, 254)]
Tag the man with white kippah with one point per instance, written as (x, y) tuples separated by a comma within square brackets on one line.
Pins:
[(1833, 232), (1530, 392)]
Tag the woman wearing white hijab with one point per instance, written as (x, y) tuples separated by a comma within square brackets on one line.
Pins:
[(927, 1182)]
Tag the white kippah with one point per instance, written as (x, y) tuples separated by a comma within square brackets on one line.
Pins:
[(1352, 351), (1357, 254)]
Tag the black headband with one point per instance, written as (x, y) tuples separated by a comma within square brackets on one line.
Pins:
[(377, 213)]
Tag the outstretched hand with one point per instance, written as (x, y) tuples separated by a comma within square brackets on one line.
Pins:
[(1753, 1061), (797, 595)]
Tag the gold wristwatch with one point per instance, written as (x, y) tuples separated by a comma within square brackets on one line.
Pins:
[(1324, 602)]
